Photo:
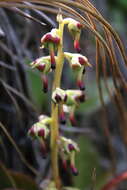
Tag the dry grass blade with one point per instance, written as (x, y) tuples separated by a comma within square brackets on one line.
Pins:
[(13, 100), (26, 15), (116, 74), (7, 66), (20, 95), (11, 180), (18, 150)]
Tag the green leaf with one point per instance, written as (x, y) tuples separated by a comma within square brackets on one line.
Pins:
[(93, 101), (39, 96), (86, 160)]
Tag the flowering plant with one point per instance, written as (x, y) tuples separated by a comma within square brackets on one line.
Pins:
[(48, 127)]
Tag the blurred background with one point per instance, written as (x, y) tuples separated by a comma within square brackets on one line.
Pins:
[(22, 100)]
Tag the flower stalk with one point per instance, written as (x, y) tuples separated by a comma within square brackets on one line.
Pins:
[(54, 107)]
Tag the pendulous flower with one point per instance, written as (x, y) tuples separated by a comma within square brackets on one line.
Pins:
[(74, 28), (78, 63), (43, 64), (51, 41), (39, 130), (70, 98), (67, 150)]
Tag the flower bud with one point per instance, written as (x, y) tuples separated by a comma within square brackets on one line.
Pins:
[(72, 164), (76, 45), (71, 147), (67, 149), (68, 145), (43, 64), (50, 37), (81, 85), (41, 133), (52, 55), (76, 60), (74, 97), (75, 30), (59, 96), (74, 170), (51, 41), (45, 83), (39, 130), (78, 63)]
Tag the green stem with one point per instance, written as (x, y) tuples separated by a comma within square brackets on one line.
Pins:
[(54, 111)]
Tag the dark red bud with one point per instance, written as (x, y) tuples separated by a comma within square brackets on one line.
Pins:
[(62, 118), (74, 170), (72, 120), (53, 63), (81, 60), (71, 147), (48, 37), (58, 98), (41, 133), (79, 25), (80, 85), (41, 67), (77, 46), (45, 83), (64, 164)]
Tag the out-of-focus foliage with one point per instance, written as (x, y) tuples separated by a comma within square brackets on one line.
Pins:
[(11, 179)]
